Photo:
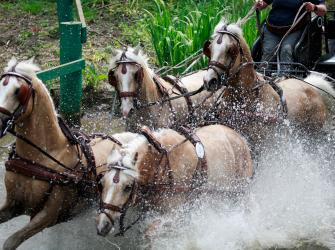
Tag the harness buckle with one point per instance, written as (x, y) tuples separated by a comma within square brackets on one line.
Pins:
[(9, 125)]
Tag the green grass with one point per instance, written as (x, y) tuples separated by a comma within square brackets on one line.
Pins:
[(179, 28), (169, 30)]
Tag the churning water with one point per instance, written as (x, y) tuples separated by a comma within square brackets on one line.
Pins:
[(289, 204)]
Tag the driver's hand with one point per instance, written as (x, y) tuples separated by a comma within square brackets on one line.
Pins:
[(260, 4), (310, 7)]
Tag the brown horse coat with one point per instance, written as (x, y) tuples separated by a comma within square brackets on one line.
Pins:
[(46, 204)]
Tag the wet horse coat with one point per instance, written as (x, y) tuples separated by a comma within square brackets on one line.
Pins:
[(46, 203), (137, 85), (165, 180), (249, 101)]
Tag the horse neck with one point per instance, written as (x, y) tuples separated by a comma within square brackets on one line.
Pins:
[(247, 75), (149, 89), (40, 126)]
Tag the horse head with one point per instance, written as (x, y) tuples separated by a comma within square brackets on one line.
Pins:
[(16, 92), (126, 75), (118, 189), (225, 53)]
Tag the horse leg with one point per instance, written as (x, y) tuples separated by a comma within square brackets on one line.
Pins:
[(43, 219), (8, 211)]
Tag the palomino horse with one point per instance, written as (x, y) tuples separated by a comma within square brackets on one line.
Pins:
[(163, 168), (46, 169), (250, 98), (137, 85)]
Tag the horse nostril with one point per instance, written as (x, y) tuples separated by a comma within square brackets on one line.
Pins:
[(212, 85), (212, 82), (104, 228)]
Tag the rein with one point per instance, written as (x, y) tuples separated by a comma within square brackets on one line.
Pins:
[(199, 177), (227, 75), (139, 78), (185, 95), (30, 143), (76, 138), (122, 210), (296, 22)]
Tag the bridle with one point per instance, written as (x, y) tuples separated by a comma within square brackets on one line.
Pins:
[(122, 210), (163, 168), (24, 93), (226, 74), (138, 76)]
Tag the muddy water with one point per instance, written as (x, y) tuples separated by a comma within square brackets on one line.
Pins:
[(80, 232), (290, 205)]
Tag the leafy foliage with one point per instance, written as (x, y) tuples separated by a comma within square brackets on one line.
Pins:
[(179, 29), (92, 77)]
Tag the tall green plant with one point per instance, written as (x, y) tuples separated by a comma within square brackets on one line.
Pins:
[(179, 29)]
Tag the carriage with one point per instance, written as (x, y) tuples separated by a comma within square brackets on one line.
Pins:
[(310, 52)]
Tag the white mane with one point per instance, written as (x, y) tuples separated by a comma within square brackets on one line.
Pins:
[(131, 144), (139, 58), (26, 68), (233, 28), (127, 153)]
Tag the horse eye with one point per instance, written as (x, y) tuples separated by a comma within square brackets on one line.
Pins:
[(127, 189), (17, 91)]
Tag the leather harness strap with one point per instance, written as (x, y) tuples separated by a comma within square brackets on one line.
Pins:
[(175, 83), (153, 140), (13, 73), (200, 175), (34, 170), (20, 165)]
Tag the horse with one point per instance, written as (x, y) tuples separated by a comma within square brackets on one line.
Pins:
[(254, 103), (48, 173), (164, 168), (137, 86)]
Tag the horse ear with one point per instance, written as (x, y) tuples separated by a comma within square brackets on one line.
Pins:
[(137, 49), (31, 60), (206, 49)]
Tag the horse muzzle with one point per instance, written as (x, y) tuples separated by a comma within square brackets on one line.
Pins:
[(212, 85), (104, 225)]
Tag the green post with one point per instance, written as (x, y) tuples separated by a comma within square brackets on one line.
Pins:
[(70, 84), (65, 10)]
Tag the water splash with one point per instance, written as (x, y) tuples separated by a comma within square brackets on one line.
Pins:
[(291, 202)]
